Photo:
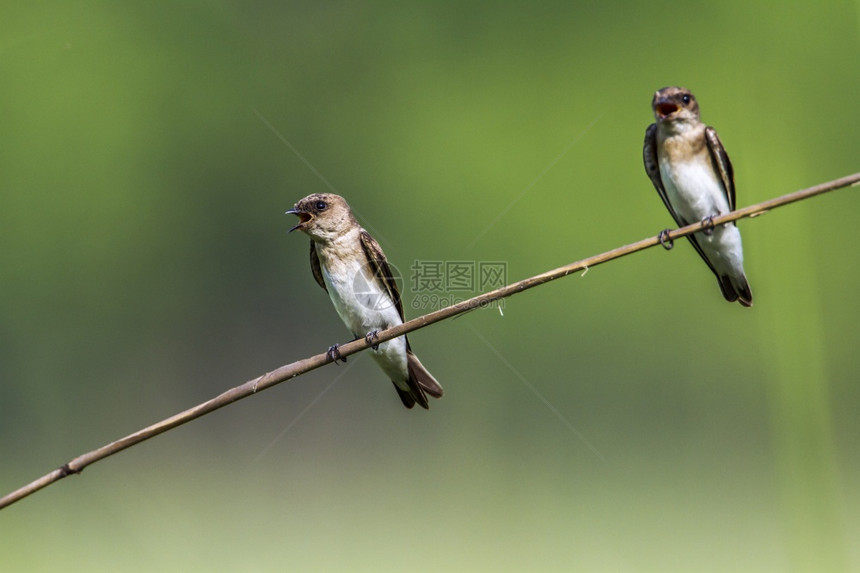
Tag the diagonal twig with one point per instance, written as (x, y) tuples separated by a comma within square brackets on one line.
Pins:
[(303, 366)]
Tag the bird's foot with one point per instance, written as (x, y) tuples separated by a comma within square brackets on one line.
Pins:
[(709, 228), (333, 353), (370, 337), (665, 240)]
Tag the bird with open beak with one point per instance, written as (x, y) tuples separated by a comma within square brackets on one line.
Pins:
[(691, 171), (350, 266)]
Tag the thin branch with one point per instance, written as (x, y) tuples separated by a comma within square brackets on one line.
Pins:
[(299, 367)]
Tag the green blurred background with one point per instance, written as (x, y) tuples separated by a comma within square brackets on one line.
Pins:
[(630, 420)]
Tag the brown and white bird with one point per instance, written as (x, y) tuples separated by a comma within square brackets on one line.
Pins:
[(351, 267), (691, 171)]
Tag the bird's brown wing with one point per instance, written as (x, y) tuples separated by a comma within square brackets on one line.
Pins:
[(420, 380), (722, 163), (652, 168), (316, 269), (380, 268)]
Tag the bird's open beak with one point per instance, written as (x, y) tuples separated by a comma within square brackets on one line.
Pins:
[(303, 218), (665, 108)]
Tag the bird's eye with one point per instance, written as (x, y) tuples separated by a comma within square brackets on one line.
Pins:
[(686, 98), (321, 205)]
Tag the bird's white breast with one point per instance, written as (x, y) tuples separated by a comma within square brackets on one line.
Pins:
[(693, 188), (362, 301), (359, 298), (696, 192)]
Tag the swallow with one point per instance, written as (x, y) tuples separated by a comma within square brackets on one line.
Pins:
[(350, 266), (691, 171)]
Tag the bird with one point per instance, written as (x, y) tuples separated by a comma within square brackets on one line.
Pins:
[(350, 266), (693, 175)]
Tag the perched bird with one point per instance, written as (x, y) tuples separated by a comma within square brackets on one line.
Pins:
[(693, 175), (351, 267)]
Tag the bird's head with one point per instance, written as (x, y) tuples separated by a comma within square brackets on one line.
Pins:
[(323, 216), (674, 104)]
